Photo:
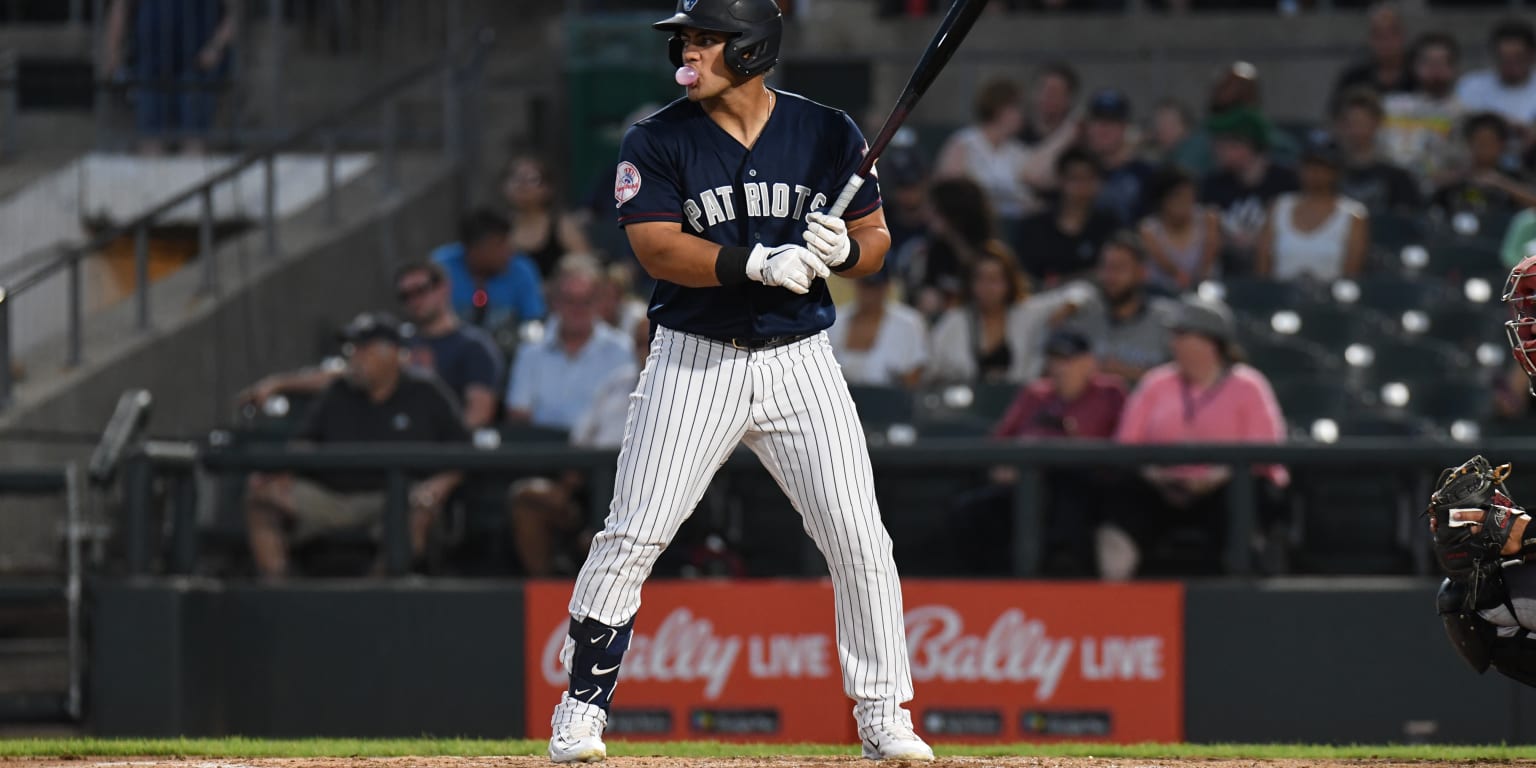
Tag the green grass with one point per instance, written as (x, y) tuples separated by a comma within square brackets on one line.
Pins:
[(254, 748)]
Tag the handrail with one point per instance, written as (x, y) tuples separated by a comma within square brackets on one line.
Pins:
[(464, 53), (398, 460), (479, 41)]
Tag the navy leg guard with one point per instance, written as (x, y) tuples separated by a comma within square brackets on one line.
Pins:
[(595, 663)]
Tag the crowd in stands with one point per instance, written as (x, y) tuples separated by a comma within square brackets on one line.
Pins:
[(1071, 246)]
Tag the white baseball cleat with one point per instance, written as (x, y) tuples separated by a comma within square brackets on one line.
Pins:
[(894, 741), (578, 732)]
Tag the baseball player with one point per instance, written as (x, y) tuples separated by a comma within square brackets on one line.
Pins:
[(1483, 539), (718, 194)]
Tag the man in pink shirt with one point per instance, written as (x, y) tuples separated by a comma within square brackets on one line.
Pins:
[(1073, 400), (1206, 395)]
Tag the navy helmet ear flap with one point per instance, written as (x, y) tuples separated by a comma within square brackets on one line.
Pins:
[(675, 50)]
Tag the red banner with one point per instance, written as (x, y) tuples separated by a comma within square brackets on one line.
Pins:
[(991, 661)]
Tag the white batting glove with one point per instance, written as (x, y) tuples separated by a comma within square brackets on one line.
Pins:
[(793, 267), (827, 237)]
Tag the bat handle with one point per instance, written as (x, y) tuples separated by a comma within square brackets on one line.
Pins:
[(855, 183)]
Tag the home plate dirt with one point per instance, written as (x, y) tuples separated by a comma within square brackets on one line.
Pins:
[(721, 762)]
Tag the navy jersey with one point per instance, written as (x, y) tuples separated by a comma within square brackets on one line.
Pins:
[(678, 165)]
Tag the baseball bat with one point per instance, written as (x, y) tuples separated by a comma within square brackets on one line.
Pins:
[(957, 23)]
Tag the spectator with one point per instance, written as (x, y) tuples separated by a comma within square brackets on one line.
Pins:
[(960, 226), (1062, 241), (1368, 178), (548, 515), (180, 56), (1171, 126), (489, 285), (464, 358), (1072, 401), (904, 190), (994, 336), (616, 303), (539, 230), (1507, 88), (1418, 128), (1126, 324), (379, 400), (1519, 238), (989, 153), (1388, 69), (554, 380), (1052, 99), (1485, 188), (1236, 89), (1244, 183), (1316, 233), (1206, 395), (879, 342), (1107, 136), (1181, 236)]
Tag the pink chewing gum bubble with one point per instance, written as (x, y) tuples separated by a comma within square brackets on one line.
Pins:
[(686, 76)]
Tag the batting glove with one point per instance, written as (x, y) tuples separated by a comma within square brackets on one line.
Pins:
[(793, 267), (827, 237)]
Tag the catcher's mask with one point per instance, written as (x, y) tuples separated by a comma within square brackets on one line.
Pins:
[(1520, 296)]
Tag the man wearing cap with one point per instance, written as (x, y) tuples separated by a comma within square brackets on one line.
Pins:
[(1206, 395), (1245, 182), (1072, 400), (1106, 135), (379, 399), (1126, 326)]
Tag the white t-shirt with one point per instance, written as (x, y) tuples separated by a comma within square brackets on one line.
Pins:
[(1320, 252), (901, 344), (998, 169), (1482, 91)]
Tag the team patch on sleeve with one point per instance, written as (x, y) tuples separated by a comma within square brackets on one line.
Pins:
[(626, 183)]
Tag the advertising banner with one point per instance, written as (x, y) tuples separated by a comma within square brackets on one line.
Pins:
[(991, 661)]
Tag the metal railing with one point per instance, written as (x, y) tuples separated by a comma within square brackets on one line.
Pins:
[(398, 462), (62, 481), (459, 68)]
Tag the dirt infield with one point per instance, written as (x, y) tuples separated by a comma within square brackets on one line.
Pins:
[(720, 762)]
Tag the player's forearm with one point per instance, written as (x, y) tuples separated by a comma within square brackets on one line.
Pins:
[(683, 260), (873, 242)]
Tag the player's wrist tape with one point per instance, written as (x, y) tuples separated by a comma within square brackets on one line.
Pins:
[(731, 265), (853, 257)]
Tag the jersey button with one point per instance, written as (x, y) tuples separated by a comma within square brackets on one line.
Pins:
[(752, 173)]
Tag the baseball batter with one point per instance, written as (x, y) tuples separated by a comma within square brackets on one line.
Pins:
[(718, 193)]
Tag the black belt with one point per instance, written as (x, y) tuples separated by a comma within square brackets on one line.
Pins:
[(763, 343)]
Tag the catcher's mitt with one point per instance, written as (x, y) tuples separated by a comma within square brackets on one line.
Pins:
[(1463, 549)]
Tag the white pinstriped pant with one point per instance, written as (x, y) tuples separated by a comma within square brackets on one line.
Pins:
[(696, 401)]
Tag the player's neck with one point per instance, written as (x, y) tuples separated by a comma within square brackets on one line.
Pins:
[(742, 111)]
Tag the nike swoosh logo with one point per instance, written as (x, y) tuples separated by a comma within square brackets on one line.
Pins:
[(612, 635), (596, 670), (594, 690)]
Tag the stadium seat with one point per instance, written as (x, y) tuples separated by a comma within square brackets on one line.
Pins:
[(1449, 400), (528, 433), (880, 407), (1392, 231), (1306, 398), (1392, 295), (1460, 259), (1279, 356), (1405, 359), (1261, 297), (1465, 325), (992, 400), (1352, 522), (1335, 326), (1377, 424)]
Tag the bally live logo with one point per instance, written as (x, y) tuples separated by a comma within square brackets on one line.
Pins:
[(1015, 649)]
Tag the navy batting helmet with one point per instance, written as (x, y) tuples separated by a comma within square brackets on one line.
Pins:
[(756, 27)]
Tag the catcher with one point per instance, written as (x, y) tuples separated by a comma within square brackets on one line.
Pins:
[(1488, 603)]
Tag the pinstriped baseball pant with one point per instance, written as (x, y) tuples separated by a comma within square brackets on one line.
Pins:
[(697, 399)]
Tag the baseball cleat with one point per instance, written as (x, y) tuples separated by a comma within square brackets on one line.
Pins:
[(578, 732), (894, 741)]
